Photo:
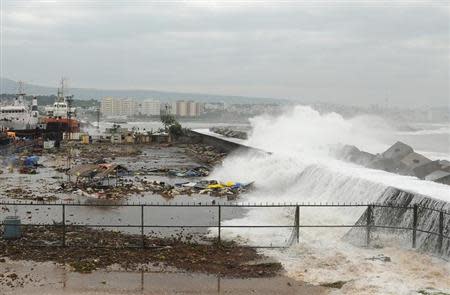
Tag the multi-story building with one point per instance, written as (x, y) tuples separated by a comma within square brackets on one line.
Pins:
[(182, 108), (188, 109), (111, 106), (106, 106), (150, 108), (129, 107)]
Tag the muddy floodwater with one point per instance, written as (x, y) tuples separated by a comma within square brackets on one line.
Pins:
[(49, 278), (46, 183), (44, 194)]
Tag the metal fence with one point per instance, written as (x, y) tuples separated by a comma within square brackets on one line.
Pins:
[(366, 222)]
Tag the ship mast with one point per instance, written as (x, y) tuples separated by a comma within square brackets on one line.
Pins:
[(20, 93), (61, 90), (68, 100)]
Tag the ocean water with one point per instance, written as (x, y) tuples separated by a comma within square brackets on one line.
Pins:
[(301, 169)]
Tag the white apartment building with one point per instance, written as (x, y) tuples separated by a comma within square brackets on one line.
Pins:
[(111, 106), (150, 108), (107, 106), (129, 107)]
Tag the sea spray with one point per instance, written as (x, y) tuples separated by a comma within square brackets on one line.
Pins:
[(302, 169)]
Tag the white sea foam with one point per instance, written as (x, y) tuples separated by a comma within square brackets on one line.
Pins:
[(302, 170)]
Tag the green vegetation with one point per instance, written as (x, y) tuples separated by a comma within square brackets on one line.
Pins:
[(168, 120), (171, 125)]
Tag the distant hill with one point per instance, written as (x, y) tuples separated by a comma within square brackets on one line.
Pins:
[(10, 86)]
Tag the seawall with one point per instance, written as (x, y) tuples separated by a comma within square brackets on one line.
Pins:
[(427, 220)]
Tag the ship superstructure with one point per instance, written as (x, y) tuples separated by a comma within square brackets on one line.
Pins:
[(62, 116), (62, 108), (19, 115)]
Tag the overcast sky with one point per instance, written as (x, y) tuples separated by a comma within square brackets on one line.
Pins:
[(315, 51)]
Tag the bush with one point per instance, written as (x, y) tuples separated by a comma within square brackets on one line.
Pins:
[(176, 129)]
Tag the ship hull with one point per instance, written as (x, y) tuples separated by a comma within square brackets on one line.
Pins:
[(61, 125)]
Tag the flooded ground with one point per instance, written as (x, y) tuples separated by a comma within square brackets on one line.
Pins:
[(46, 186), (49, 278)]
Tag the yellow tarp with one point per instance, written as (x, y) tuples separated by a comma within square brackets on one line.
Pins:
[(229, 183), (218, 185)]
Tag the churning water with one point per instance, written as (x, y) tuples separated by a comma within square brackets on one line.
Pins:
[(301, 169)]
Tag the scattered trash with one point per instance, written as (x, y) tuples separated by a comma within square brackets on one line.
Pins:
[(31, 161), (380, 257), (200, 171), (205, 154), (92, 249), (22, 194)]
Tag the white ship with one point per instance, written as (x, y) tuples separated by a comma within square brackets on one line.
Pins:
[(61, 108), (19, 115)]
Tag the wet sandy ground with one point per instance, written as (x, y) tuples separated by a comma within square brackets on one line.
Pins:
[(49, 278)]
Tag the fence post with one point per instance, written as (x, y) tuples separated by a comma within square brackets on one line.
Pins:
[(369, 221), (219, 225), (64, 225), (142, 227), (414, 225), (441, 231), (297, 223)]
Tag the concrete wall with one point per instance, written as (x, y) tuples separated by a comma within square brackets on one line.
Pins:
[(220, 144)]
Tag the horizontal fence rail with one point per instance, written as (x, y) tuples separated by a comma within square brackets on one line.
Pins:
[(367, 224)]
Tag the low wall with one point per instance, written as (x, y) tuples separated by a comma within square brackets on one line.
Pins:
[(220, 144)]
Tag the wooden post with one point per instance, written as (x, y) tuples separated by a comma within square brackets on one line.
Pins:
[(297, 223), (64, 224), (414, 225), (368, 224)]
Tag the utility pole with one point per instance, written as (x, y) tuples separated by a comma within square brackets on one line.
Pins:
[(69, 100), (98, 118)]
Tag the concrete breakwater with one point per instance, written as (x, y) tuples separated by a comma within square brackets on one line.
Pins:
[(401, 159), (430, 218), (427, 220), (221, 143)]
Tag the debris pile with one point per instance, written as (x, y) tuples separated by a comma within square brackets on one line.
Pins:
[(98, 174), (199, 171), (231, 190), (205, 154), (95, 249), (25, 164), (214, 188), (22, 194)]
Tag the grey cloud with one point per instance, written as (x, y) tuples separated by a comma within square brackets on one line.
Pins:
[(350, 53)]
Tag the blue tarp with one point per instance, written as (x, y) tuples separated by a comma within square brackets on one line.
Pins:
[(31, 161)]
